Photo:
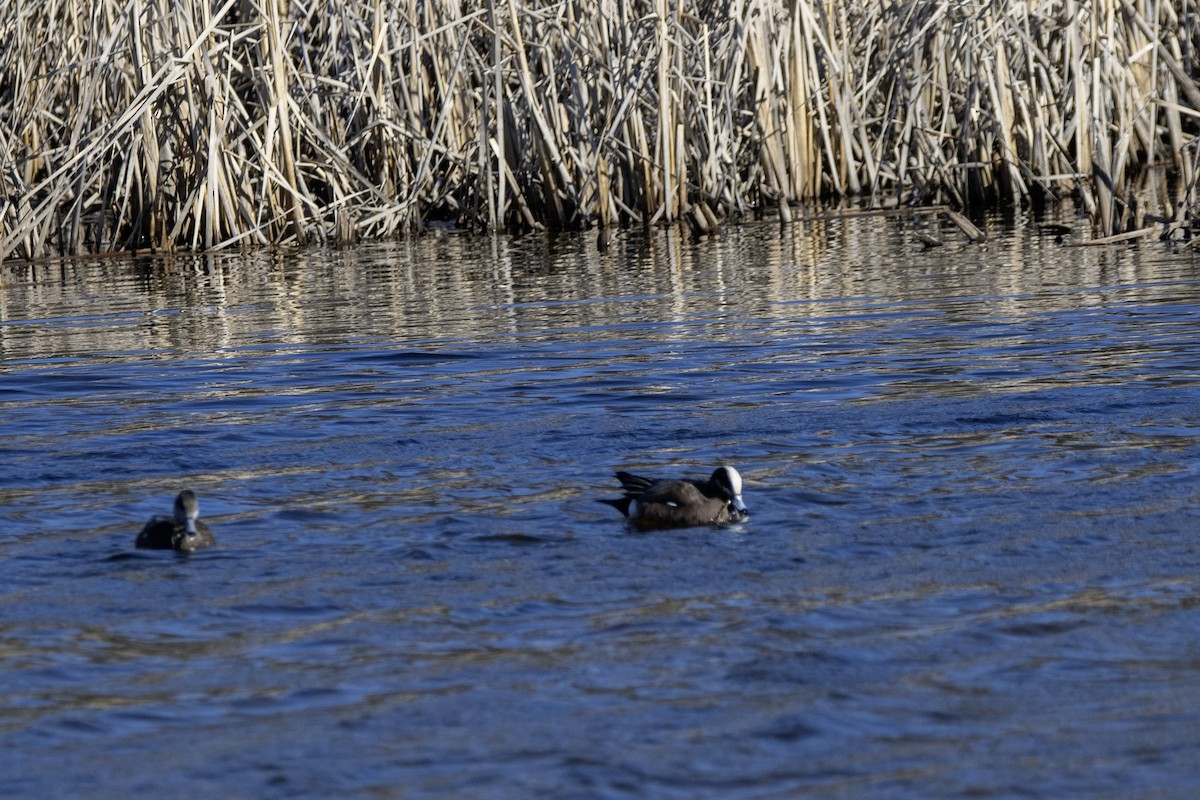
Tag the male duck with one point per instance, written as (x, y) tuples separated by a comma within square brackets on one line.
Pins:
[(183, 531), (682, 503)]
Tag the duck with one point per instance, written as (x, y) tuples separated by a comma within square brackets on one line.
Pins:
[(182, 531), (652, 504)]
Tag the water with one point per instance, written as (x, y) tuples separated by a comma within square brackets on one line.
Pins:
[(970, 569)]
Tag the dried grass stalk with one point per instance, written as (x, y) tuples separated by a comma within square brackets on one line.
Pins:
[(161, 125)]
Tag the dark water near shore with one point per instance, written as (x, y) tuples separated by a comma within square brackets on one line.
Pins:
[(971, 568)]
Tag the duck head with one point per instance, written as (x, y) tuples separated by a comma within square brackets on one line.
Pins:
[(187, 509), (729, 481)]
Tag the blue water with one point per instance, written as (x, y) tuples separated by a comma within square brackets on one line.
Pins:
[(970, 570)]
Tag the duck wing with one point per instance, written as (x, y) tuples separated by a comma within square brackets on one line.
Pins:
[(157, 534), (634, 486), (679, 494)]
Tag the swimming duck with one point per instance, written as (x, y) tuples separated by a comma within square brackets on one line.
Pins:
[(682, 503), (183, 531)]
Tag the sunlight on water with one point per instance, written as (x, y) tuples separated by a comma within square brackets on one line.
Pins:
[(971, 470)]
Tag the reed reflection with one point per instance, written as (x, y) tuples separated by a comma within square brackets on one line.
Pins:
[(446, 287)]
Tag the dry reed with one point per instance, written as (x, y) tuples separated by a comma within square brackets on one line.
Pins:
[(163, 125)]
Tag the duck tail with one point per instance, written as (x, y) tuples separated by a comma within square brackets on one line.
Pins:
[(621, 504)]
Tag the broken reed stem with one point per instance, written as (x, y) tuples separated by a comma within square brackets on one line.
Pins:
[(199, 125)]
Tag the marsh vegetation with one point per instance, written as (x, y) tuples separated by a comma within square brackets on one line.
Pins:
[(198, 125)]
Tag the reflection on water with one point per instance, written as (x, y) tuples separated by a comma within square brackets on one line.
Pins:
[(451, 286), (972, 471)]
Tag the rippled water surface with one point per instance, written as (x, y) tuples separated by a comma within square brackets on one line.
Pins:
[(971, 568)]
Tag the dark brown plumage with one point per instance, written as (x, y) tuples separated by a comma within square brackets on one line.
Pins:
[(652, 504), (182, 531)]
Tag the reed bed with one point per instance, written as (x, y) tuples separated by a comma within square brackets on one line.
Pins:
[(163, 125)]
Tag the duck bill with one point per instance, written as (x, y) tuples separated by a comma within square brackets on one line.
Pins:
[(739, 506), (190, 527)]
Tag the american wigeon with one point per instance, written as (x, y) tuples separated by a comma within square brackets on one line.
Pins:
[(183, 531), (669, 503)]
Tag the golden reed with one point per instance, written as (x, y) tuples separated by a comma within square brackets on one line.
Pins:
[(166, 125)]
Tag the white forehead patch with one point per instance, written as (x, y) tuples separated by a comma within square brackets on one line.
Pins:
[(735, 480)]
